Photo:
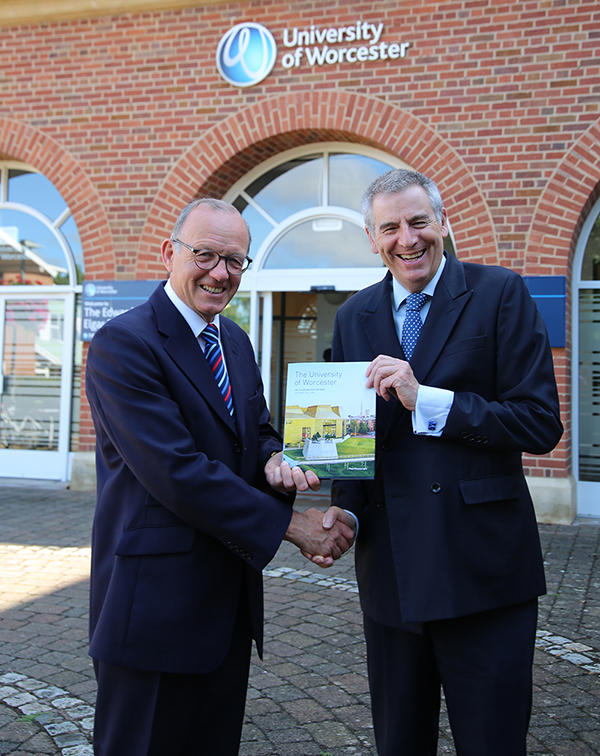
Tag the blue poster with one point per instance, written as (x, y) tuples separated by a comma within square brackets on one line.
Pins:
[(102, 300)]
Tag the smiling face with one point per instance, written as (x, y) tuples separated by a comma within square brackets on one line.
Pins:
[(207, 292), (408, 236)]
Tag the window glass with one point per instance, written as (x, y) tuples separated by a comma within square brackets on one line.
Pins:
[(590, 268), (259, 226), (32, 370), (290, 187), (239, 310), (33, 250), (29, 251), (349, 176), (76, 388), (589, 380), (36, 191), (323, 243)]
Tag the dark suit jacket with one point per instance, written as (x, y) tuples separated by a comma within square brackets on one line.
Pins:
[(184, 519), (447, 527)]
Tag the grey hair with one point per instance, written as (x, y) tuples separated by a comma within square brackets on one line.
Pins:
[(215, 204), (394, 181)]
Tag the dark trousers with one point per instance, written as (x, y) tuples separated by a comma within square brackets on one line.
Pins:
[(165, 714), (483, 662)]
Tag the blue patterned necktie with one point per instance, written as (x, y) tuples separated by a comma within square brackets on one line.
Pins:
[(214, 357), (412, 322)]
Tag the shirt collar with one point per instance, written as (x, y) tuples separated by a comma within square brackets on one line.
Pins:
[(400, 293), (196, 322)]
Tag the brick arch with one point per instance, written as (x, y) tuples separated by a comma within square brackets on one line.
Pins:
[(232, 147), (19, 141), (564, 205)]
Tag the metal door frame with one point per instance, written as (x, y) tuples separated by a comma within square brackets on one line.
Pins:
[(588, 492), (32, 463)]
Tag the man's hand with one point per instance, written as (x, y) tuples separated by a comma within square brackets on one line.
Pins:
[(333, 515), (285, 479), (389, 375), (321, 538)]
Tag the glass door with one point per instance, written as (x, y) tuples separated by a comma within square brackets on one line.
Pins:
[(36, 349), (586, 366), (302, 331), (589, 400)]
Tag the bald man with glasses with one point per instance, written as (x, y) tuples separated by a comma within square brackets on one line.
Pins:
[(193, 501)]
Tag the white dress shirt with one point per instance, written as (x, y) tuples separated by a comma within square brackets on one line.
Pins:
[(196, 322), (433, 404)]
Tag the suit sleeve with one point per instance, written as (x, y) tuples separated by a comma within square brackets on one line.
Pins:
[(143, 439), (519, 410)]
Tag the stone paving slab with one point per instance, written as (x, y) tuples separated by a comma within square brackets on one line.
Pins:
[(309, 695)]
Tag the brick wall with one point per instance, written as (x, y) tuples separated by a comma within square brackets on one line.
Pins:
[(498, 101)]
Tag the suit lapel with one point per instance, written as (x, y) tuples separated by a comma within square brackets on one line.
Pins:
[(238, 376), (185, 351), (377, 323), (378, 330), (451, 296)]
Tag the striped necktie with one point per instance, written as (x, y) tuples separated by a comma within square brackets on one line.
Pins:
[(412, 322), (214, 357)]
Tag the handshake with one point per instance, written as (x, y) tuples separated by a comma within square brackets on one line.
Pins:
[(322, 538)]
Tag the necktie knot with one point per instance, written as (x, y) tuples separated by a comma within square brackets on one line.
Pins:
[(412, 322), (211, 334), (414, 302)]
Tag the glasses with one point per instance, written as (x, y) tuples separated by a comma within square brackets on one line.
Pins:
[(207, 259)]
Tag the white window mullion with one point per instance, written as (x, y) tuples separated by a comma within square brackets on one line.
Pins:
[(267, 331)]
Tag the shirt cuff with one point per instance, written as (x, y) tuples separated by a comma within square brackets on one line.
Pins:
[(431, 410)]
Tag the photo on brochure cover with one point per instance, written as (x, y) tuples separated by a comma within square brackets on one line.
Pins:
[(330, 419)]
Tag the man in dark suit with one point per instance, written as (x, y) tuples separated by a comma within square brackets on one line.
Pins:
[(192, 502), (448, 557)]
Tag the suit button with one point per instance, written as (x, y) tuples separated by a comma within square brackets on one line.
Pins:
[(237, 448), (435, 488), (385, 446)]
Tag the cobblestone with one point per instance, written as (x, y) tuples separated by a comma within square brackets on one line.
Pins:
[(309, 695)]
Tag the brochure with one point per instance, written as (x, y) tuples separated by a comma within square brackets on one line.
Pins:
[(330, 419)]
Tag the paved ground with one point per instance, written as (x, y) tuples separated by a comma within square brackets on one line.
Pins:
[(308, 697)]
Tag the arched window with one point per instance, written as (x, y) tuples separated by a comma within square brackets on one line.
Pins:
[(309, 251), (39, 243), (41, 267), (303, 207)]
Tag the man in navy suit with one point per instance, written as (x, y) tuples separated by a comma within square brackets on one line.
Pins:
[(448, 556), (192, 502)]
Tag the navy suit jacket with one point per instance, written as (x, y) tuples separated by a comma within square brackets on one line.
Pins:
[(184, 518), (447, 527)]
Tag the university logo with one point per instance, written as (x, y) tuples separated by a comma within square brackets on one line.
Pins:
[(246, 54)]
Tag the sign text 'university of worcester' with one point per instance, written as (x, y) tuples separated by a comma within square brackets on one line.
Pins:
[(313, 45)]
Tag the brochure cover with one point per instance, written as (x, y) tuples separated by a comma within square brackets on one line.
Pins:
[(330, 419)]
